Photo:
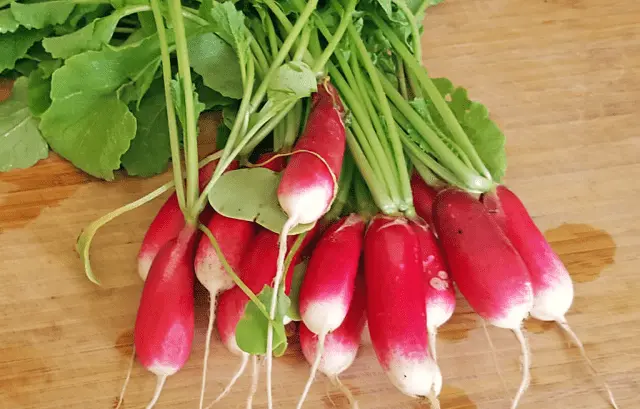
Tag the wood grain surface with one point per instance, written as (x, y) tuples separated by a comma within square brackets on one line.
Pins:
[(562, 79)]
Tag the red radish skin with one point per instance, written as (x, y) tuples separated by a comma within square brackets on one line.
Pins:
[(329, 282), (485, 266), (396, 306), (169, 221), (164, 326), (340, 346), (309, 182), (440, 295), (423, 197), (552, 286), (234, 238)]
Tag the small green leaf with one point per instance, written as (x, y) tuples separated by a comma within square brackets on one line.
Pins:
[(251, 194), (150, 149), (293, 80), (299, 272), (40, 15), (177, 94), (210, 98), (222, 135), (8, 24), (251, 331), (228, 22), (217, 63), (21, 143), (39, 92)]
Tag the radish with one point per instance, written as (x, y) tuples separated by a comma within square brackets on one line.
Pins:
[(257, 270), (309, 183), (552, 285), (169, 221), (396, 307), (328, 285), (440, 295), (234, 238), (485, 266), (423, 197), (339, 348), (164, 325)]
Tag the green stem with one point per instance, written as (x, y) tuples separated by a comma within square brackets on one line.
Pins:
[(272, 37), (124, 30), (344, 188), (458, 134), (293, 120), (415, 33), (360, 115), (229, 270), (396, 144), (171, 114), (419, 157), (302, 44), (416, 91), (345, 22), (191, 137), (468, 176), (402, 79)]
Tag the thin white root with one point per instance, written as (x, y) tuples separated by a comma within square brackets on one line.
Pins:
[(526, 365), (207, 347), (572, 335), (156, 395), (495, 358), (433, 400), (314, 369), (255, 377), (234, 379), (126, 379), (432, 343), (282, 251), (353, 403)]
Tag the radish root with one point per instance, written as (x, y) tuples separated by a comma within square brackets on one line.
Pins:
[(495, 358), (212, 311), (526, 365), (126, 379), (572, 335), (433, 399), (156, 395), (353, 403), (432, 343), (314, 369), (255, 377), (234, 379), (291, 222)]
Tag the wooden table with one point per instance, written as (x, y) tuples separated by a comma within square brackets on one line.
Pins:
[(561, 77)]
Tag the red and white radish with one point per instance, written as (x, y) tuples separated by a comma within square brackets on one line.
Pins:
[(440, 295), (423, 197), (164, 325), (169, 221), (234, 238), (328, 285), (396, 306), (485, 266), (309, 183), (341, 345), (552, 285)]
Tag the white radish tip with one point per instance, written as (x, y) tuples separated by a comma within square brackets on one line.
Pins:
[(514, 315), (308, 204), (324, 316), (415, 377), (554, 301)]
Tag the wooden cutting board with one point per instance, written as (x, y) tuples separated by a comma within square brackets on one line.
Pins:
[(561, 77)]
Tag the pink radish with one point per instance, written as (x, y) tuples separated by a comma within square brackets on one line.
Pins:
[(328, 285), (164, 326), (309, 183), (440, 295), (234, 238), (257, 270), (396, 307), (169, 221), (340, 345), (485, 266), (552, 285), (423, 197)]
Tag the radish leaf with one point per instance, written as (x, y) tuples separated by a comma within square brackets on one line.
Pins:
[(217, 63), (15, 46), (251, 331), (22, 145), (251, 194), (8, 24), (40, 15), (299, 272), (292, 80)]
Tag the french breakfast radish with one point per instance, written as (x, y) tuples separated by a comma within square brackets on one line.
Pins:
[(396, 306), (328, 285), (423, 197), (168, 222), (309, 183), (234, 238), (341, 345), (552, 285), (164, 325), (440, 295), (485, 266)]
